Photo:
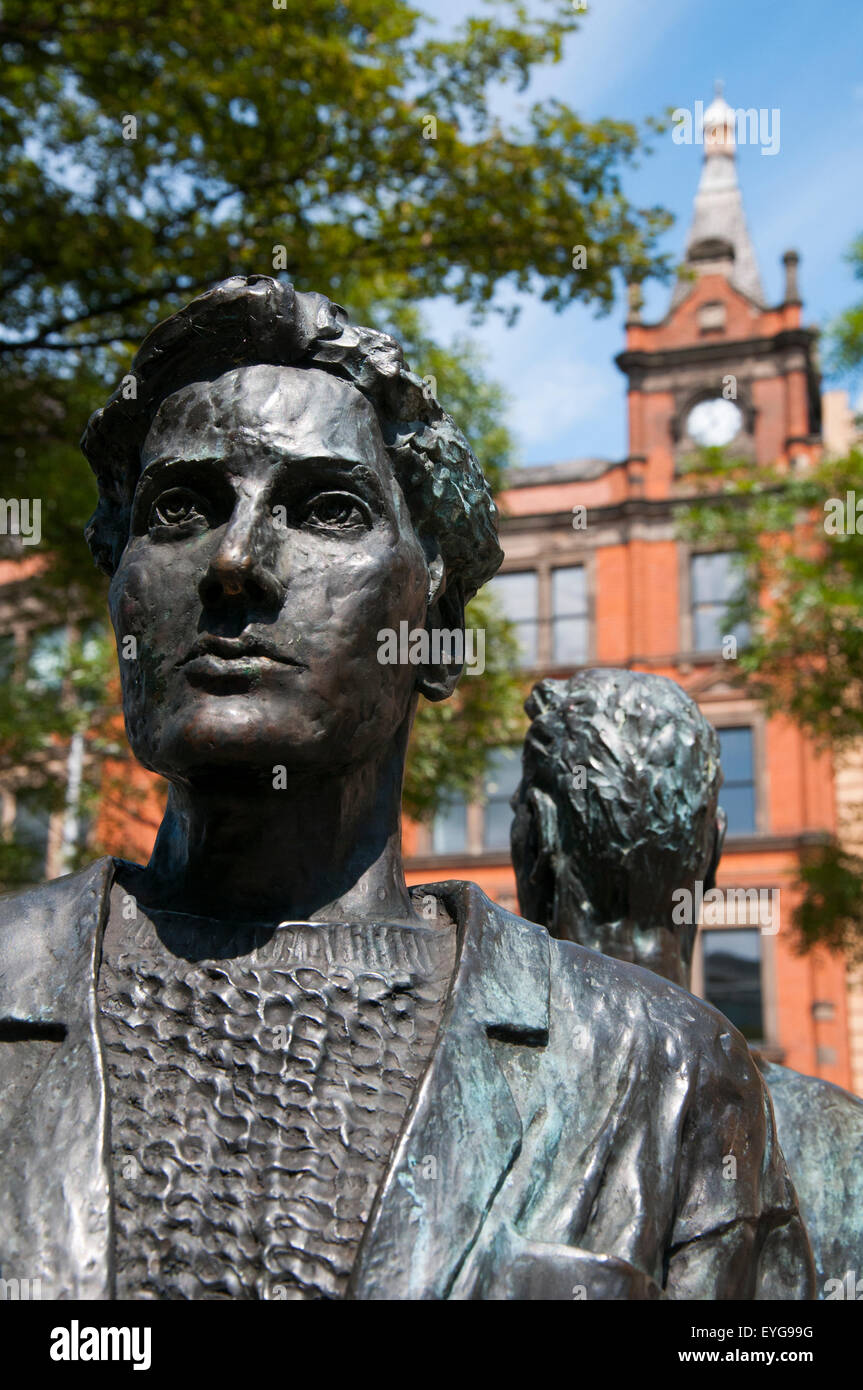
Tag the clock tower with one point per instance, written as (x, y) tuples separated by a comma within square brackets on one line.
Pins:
[(723, 367)]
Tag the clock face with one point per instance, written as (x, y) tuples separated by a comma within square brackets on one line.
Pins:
[(714, 423)]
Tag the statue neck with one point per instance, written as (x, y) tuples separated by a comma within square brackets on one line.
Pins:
[(325, 846), (655, 946)]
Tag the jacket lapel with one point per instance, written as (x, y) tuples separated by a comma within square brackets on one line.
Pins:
[(463, 1131), (54, 1172)]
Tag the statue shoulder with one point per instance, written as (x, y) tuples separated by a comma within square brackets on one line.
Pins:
[(812, 1111), (811, 1091), (56, 895), (664, 1014), (43, 928)]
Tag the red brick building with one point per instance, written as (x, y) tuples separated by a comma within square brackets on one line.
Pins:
[(595, 574)]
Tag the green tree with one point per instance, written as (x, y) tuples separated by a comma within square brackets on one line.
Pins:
[(847, 332), (53, 712), (147, 151)]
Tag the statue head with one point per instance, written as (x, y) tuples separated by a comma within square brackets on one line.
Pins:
[(275, 488), (617, 809)]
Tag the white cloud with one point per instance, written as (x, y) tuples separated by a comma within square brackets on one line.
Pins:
[(556, 397), (615, 40)]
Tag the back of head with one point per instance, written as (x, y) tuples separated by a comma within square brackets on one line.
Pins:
[(617, 808)]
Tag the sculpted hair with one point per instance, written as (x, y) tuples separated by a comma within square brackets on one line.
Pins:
[(647, 806), (258, 321)]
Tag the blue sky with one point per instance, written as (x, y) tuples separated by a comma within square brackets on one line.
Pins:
[(634, 58)]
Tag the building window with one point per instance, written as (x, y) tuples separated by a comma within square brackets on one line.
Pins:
[(449, 827), (30, 833), (501, 780), (517, 596), (732, 977), (737, 796), (711, 317), (715, 584), (569, 616)]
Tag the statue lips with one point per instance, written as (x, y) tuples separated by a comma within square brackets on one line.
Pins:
[(215, 660)]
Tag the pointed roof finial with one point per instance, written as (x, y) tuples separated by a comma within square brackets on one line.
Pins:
[(718, 239), (718, 124)]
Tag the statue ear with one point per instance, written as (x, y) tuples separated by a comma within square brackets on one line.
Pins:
[(544, 813), (439, 676), (718, 841), (534, 851)]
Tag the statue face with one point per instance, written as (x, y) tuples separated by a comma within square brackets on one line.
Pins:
[(269, 544)]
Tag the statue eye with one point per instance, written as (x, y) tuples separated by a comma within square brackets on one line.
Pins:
[(177, 507), (336, 511)]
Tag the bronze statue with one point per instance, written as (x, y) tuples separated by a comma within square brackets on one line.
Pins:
[(258, 1066), (610, 859)]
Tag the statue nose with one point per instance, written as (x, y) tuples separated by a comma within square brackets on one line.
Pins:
[(232, 577), (239, 570)]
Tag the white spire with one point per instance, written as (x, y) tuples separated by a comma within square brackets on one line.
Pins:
[(717, 125), (718, 239)]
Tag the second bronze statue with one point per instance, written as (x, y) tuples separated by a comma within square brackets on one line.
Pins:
[(617, 861)]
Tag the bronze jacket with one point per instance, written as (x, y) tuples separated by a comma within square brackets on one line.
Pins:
[(583, 1128), (820, 1128)]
